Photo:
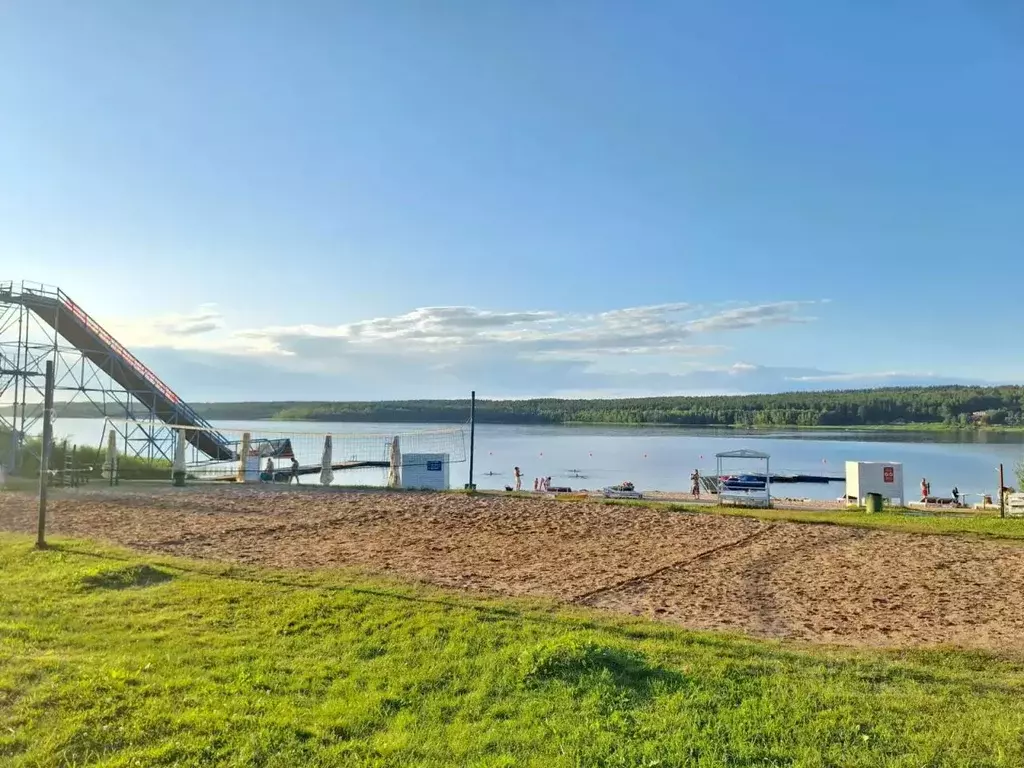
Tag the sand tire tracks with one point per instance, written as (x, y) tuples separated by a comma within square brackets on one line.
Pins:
[(637, 580)]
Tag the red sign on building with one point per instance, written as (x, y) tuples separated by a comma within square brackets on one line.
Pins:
[(888, 474)]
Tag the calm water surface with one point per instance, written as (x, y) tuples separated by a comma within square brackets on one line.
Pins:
[(652, 458)]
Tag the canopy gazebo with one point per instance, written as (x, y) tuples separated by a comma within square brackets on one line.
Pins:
[(752, 489)]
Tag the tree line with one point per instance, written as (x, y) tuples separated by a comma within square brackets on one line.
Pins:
[(954, 406)]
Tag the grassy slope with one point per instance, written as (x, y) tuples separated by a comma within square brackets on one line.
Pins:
[(118, 660)]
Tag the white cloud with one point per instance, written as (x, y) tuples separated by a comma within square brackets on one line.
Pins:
[(664, 329), (212, 376), (204, 320), (876, 376), (442, 351)]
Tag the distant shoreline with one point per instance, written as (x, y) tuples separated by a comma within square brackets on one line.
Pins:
[(917, 427), (918, 409)]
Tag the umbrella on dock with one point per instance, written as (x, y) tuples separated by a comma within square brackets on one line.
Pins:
[(326, 472), (110, 462), (394, 474), (178, 472)]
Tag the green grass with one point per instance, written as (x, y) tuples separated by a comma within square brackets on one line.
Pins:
[(907, 521), (113, 659), (978, 525)]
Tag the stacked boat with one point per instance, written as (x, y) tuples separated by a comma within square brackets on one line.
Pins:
[(742, 482)]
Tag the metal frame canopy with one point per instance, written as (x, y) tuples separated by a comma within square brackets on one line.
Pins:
[(748, 498)]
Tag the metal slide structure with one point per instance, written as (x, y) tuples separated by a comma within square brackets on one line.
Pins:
[(68, 320)]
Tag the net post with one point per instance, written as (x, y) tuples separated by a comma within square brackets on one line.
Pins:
[(243, 457), (472, 437), (44, 462)]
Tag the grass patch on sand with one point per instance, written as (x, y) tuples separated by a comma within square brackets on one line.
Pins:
[(905, 520), (908, 521), (114, 659)]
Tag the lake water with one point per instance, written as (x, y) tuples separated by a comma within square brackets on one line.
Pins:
[(652, 458)]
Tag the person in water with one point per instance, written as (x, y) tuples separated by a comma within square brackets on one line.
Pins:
[(695, 484)]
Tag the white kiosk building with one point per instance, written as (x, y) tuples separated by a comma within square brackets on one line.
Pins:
[(425, 471), (881, 477)]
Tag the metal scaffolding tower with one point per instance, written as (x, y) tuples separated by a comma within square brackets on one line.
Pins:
[(40, 323)]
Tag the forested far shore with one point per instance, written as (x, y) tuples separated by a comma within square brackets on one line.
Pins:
[(950, 407)]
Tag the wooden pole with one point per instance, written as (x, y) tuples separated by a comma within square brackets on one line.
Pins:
[(1002, 495), (472, 436), (44, 461)]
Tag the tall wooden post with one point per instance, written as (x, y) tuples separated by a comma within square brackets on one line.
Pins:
[(1002, 494), (44, 460)]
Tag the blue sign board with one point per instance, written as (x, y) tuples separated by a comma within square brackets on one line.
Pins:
[(433, 466)]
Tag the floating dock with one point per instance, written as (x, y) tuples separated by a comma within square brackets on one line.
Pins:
[(786, 477), (710, 483), (284, 474)]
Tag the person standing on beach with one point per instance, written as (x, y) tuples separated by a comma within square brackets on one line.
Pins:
[(295, 471), (519, 478), (270, 469), (695, 484)]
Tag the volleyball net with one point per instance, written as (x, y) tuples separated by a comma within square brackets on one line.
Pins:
[(384, 457)]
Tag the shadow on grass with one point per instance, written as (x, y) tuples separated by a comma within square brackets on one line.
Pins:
[(126, 577), (584, 662)]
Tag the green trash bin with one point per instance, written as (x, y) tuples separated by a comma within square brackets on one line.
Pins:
[(873, 502)]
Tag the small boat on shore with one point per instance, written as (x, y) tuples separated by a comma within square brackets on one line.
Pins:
[(621, 491)]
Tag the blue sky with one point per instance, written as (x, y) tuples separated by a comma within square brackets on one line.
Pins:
[(402, 199)]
